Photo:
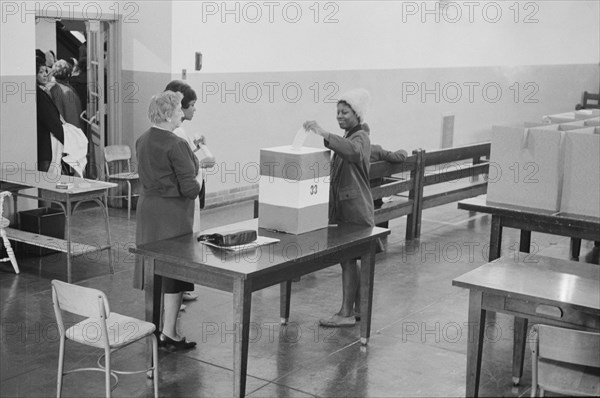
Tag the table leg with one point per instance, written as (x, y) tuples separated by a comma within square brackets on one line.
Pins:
[(67, 210), (476, 328), (495, 238), (242, 300), (367, 270), (106, 222), (152, 290), (285, 289), (525, 241), (575, 248), (520, 338)]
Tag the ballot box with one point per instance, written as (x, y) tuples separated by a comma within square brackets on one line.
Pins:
[(293, 191)]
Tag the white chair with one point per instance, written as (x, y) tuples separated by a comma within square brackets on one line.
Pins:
[(564, 361), (3, 224), (101, 329), (120, 154)]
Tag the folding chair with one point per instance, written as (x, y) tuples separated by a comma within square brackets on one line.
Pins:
[(3, 224), (120, 154), (101, 329), (564, 361)]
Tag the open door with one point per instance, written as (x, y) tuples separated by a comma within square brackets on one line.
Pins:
[(96, 110)]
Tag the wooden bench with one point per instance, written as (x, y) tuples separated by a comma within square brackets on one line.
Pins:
[(77, 249), (434, 178), (452, 174), (589, 101), (400, 182)]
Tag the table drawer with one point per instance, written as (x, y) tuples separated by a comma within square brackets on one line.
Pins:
[(553, 311)]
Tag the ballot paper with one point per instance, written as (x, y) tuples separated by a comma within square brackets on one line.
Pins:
[(299, 139)]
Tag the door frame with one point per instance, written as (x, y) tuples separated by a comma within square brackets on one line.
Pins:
[(113, 25)]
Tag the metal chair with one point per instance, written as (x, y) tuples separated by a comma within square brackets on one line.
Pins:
[(4, 223), (564, 361), (101, 329), (120, 154)]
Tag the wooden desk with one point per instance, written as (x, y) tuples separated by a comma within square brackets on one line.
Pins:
[(541, 289), (526, 219), (15, 179), (183, 258)]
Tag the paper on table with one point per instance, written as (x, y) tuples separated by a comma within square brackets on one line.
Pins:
[(299, 139)]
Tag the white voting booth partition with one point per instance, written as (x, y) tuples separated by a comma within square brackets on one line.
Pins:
[(553, 167)]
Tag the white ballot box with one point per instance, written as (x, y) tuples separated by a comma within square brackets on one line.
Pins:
[(293, 192)]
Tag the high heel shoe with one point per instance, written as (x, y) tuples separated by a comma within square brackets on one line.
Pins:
[(183, 344)]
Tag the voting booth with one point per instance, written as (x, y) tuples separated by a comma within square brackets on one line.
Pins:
[(551, 167), (524, 167), (581, 182), (293, 191)]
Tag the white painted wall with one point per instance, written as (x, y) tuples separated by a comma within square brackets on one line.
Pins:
[(246, 37), (146, 36), (17, 75), (45, 34)]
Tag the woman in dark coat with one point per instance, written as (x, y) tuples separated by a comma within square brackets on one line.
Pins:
[(66, 99), (167, 168), (350, 200), (48, 120)]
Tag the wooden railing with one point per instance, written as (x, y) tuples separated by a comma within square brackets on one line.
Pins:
[(426, 180)]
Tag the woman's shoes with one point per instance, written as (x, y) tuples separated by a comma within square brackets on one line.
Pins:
[(183, 344), (189, 296), (338, 321)]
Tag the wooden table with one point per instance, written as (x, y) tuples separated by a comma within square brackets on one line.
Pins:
[(533, 288), (15, 179), (576, 227), (183, 258)]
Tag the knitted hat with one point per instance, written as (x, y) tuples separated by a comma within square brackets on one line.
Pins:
[(359, 100)]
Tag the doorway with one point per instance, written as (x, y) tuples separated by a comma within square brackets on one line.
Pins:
[(92, 47)]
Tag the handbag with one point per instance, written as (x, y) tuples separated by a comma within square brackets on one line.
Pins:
[(234, 238)]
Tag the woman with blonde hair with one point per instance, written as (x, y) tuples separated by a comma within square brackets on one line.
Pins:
[(167, 168)]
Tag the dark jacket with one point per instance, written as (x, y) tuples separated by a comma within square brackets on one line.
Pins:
[(378, 154), (350, 199), (166, 165), (48, 121), (67, 102)]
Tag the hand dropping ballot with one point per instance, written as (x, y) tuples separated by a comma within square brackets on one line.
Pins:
[(299, 139), (293, 191)]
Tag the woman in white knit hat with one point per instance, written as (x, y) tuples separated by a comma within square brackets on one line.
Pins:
[(350, 200)]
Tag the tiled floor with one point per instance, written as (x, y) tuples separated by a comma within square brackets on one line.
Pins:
[(417, 348)]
